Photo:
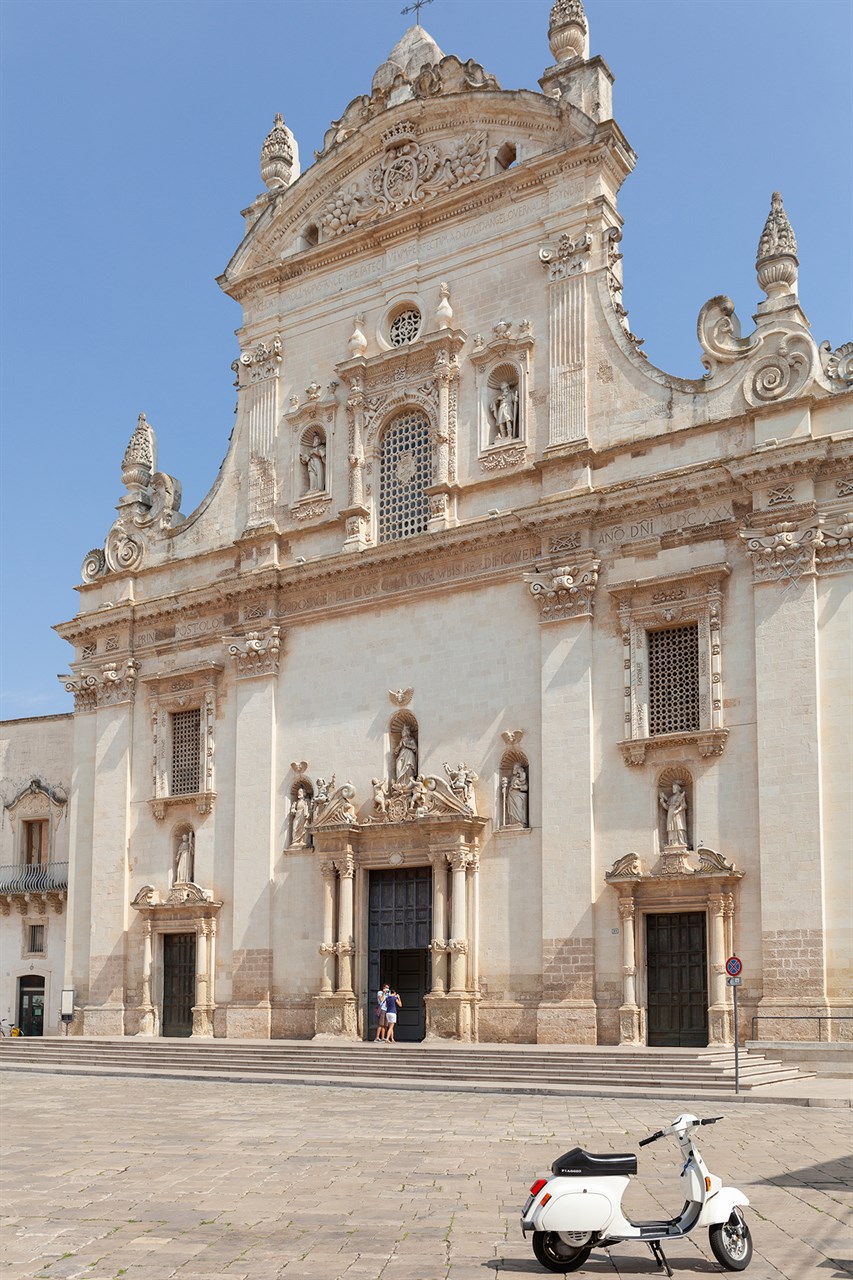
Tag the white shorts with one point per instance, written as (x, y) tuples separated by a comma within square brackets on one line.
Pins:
[(391, 1018)]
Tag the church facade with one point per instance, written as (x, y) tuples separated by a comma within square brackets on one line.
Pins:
[(498, 663)]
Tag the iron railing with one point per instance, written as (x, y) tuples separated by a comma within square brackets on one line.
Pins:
[(820, 1019), (42, 878)]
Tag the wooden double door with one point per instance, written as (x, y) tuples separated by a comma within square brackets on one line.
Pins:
[(179, 979), (677, 979), (399, 929)]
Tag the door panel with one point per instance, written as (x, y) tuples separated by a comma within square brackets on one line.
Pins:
[(31, 1005), (677, 967), (178, 983), (399, 929)]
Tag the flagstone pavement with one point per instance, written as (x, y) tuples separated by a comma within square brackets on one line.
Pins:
[(159, 1179)]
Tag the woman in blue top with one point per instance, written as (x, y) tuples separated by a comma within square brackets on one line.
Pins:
[(392, 1004)]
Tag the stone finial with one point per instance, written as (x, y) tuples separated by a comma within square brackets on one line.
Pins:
[(444, 311), (358, 342), (776, 261), (140, 456), (568, 32), (279, 156)]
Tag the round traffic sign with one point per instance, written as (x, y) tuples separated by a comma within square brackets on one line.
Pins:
[(733, 966)]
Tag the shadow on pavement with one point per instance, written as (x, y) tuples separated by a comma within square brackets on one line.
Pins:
[(833, 1173)]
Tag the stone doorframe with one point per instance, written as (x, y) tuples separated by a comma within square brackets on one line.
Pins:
[(186, 909), (345, 853), (709, 887)]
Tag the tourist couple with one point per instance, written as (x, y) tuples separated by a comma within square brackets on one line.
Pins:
[(387, 1004)]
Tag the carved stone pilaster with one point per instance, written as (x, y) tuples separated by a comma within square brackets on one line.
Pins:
[(255, 654), (565, 591), (258, 372), (566, 264), (115, 682)]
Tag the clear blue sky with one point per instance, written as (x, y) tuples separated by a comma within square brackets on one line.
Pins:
[(131, 133)]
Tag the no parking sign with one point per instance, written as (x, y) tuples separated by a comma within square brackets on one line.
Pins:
[(733, 967)]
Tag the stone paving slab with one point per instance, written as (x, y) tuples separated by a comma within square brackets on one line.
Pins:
[(118, 1179)]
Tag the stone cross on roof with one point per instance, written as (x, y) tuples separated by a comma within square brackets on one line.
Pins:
[(415, 8)]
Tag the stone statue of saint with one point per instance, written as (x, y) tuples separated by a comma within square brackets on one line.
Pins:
[(300, 816), (462, 781), (406, 766), (675, 805), (315, 461), (504, 409), (184, 859), (515, 789)]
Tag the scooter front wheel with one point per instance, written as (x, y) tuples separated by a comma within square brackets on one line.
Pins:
[(731, 1243), (561, 1250)]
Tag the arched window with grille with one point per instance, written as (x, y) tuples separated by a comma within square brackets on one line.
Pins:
[(405, 472)]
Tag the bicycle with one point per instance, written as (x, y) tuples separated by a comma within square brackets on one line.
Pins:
[(8, 1028)]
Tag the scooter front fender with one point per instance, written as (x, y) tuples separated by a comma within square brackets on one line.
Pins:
[(720, 1205)]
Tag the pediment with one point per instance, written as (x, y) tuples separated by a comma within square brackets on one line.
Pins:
[(412, 158)]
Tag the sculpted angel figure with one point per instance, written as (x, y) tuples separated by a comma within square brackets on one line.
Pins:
[(462, 781), (406, 766), (300, 816), (380, 796), (323, 788), (675, 805)]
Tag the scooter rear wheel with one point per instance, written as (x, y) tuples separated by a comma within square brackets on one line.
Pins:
[(731, 1243), (556, 1254)]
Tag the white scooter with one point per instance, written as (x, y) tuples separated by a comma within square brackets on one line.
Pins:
[(579, 1208)]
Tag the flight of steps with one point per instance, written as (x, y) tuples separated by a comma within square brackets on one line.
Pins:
[(623, 1072)]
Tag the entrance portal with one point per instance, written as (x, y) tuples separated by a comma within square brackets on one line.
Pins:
[(178, 983), (31, 1005), (399, 924), (677, 960)]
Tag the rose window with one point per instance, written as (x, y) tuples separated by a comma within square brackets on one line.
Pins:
[(405, 327)]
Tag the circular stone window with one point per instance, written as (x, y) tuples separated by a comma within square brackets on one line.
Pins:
[(405, 326)]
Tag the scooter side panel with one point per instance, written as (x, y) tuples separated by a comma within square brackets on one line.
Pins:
[(719, 1207), (576, 1207)]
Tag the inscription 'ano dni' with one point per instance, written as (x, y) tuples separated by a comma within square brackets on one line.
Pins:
[(668, 522)]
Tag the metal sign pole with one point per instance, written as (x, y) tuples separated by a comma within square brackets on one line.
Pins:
[(737, 1048)]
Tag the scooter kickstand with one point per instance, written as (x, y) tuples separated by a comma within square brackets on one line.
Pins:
[(659, 1256)]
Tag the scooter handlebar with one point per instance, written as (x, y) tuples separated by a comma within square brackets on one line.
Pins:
[(712, 1120), (644, 1142)]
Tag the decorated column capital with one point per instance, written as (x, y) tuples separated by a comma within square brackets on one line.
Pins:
[(256, 653), (783, 553), (115, 682), (565, 591), (568, 257)]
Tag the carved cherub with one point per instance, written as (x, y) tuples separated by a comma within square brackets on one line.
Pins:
[(322, 789), (380, 796)]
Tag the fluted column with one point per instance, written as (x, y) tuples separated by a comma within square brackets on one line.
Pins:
[(629, 1014), (438, 944), (718, 943), (459, 915), (474, 917), (146, 965), (327, 947), (201, 975), (346, 945)]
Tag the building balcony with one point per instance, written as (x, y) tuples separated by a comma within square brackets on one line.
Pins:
[(33, 887)]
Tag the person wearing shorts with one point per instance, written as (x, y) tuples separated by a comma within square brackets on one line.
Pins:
[(392, 1004), (381, 1012)]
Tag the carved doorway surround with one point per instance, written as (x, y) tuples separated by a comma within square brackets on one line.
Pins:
[(185, 909), (702, 882), (449, 845)]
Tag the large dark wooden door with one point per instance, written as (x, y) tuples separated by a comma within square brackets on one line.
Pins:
[(677, 959), (399, 925), (31, 1005), (178, 983)]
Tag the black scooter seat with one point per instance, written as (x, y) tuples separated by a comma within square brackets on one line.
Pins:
[(578, 1163)]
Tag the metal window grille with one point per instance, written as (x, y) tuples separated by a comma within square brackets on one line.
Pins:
[(405, 327), (186, 752), (674, 679), (36, 938), (404, 474), (35, 842)]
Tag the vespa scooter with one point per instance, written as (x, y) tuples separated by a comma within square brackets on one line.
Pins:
[(579, 1208)]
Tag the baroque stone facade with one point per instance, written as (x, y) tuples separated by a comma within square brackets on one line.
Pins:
[(456, 482)]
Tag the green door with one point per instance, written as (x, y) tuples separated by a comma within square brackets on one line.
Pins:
[(31, 1005)]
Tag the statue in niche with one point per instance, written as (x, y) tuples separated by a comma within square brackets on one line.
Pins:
[(504, 410), (515, 797), (185, 859), (675, 806), (406, 763), (462, 781), (300, 816), (314, 460)]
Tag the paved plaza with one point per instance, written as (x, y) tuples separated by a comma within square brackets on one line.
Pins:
[(154, 1179)]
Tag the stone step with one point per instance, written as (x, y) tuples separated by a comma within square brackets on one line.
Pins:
[(658, 1071)]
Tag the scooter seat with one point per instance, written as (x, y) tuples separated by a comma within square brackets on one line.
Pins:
[(578, 1163)]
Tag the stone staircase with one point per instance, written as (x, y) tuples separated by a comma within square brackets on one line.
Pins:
[(533, 1069)]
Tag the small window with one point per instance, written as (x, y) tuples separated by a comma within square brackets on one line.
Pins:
[(35, 842), (506, 155), (186, 752), (405, 327), (674, 679), (36, 932), (311, 236)]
